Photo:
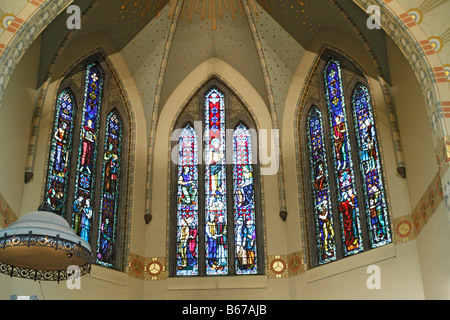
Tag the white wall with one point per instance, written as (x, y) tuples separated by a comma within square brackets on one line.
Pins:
[(433, 242), (399, 264), (402, 266), (16, 112)]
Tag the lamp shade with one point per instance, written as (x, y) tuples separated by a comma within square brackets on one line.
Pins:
[(41, 245)]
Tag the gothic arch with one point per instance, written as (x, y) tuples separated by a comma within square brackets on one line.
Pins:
[(412, 42)]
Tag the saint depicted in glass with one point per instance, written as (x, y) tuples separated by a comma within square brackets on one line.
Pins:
[(216, 214), (244, 202), (370, 164), (343, 164), (84, 185), (61, 147), (187, 203), (110, 191), (323, 217), (216, 245)]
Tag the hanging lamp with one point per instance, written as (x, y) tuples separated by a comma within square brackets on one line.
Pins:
[(40, 245)]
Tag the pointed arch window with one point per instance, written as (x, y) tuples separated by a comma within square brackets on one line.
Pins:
[(82, 215), (343, 161), (370, 168), (246, 253), (323, 218), (87, 163), (216, 209), (187, 206), (60, 154), (110, 190), (347, 198), (216, 228)]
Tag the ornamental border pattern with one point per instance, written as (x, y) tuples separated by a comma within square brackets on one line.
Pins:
[(155, 268), (409, 226), (280, 266), (425, 63), (20, 39)]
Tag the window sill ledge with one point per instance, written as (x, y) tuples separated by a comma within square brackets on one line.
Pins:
[(350, 263), (217, 282)]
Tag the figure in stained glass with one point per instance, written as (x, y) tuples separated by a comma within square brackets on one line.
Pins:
[(88, 137), (188, 188), (215, 185), (326, 235), (87, 153), (221, 206), (339, 143), (211, 241), (110, 191), (344, 171), (370, 167), (111, 159), (92, 201), (105, 249), (78, 206), (85, 222), (245, 189), (187, 203), (183, 243), (244, 202), (250, 243), (61, 145), (359, 199), (323, 218), (61, 150)]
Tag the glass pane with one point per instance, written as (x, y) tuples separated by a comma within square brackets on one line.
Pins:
[(244, 202), (376, 208), (343, 164), (215, 185), (187, 203), (110, 191), (326, 244), (61, 147), (87, 154)]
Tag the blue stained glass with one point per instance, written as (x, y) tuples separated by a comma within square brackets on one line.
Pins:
[(61, 147), (110, 191), (244, 202), (320, 186), (216, 245), (87, 154), (370, 165), (187, 204), (343, 164)]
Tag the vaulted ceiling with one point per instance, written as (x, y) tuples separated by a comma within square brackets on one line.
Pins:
[(205, 29)]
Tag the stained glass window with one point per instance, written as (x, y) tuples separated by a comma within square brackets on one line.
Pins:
[(215, 185), (110, 191), (343, 164), (244, 202), (86, 177), (347, 196), (187, 203), (370, 168), (326, 243), (60, 152), (87, 154), (216, 208)]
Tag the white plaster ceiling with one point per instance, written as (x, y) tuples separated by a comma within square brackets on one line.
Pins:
[(284, 31), (433, 19)]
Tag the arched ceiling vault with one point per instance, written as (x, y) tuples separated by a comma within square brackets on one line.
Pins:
[(140, 30)]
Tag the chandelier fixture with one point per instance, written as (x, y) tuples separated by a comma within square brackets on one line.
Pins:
[(41, 245)]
